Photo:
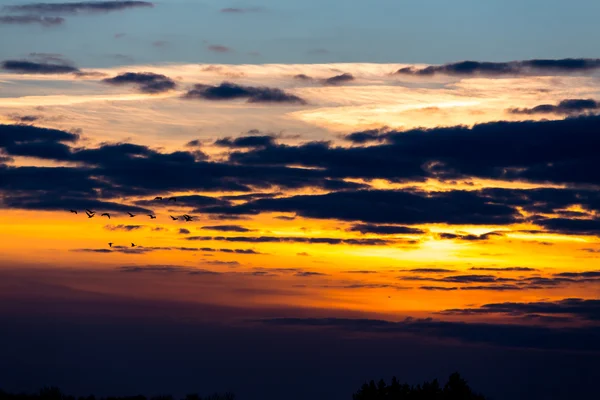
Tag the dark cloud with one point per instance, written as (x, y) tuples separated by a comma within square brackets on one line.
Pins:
[(146, 82), (438, 288), (338, 79), (285, 218), (362, 272), (558, 151), (386, 229), (303, 77), (504, 335), (588, 274), (371, 135), (569, 106), (32, 67), (217, 48), (31, 19), (121, 227), (570, 225), (470, 278), (237, 10), (167, 269), (24, 119), (393, 206), (77, 7), (519, 269), (227, 228), (246, 141), (194, 143), (469, 237), (292, 239), (306, 274), (230, 91), (497, 288), (431, 270), (586, 309), (466, 68), (184, 231)]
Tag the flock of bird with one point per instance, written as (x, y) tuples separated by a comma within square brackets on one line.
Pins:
[(91, 214)]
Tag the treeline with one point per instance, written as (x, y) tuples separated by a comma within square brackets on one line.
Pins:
[(53, 393), (455, 389)]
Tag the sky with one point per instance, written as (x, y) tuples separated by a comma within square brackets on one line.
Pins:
[(373, 189)]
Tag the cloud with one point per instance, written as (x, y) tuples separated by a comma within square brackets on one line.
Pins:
[(569, 106), (563, 150), (77, 7), (503, 335), (122, 227), (519, 269), (394, 206), (227, 228), (146, 82), (386, 229), (292, 239), (497, 288), (32, 67), (371, 135), (246, 141), (308, 274), (430, 270), (217, 48), (303, 77), (438, 288), (468, 237), (466, 68), (230, 91), (184, 231), (585, 309), (31, 19), (166, 269), (237, 10), (338, 79), (570, 225)]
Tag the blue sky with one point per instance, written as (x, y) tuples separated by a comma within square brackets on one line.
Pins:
[(428, 31)]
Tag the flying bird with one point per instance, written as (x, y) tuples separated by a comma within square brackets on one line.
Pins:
[(106, 214), (172, 199), (173, 218), (110, 244), (89, 215), (90, 211), (130, 214), (158, 198), (132, 245), (73, 211), (187, 218), (152, 216)]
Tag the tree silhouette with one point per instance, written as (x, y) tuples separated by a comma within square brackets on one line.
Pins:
[(455, 389)]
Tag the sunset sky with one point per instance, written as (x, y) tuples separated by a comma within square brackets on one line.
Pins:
[(355, 183)]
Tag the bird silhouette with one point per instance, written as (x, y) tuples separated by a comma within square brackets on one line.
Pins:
[(152, 216), (90, 215), (173, 218), (172, 199), (73, 211), (90, 211), (132, 245), (187, 218), (130, 214), (110, 244), (106, 214), (158, 198)]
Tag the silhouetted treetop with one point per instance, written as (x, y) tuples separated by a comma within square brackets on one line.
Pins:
[(455, 389)]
